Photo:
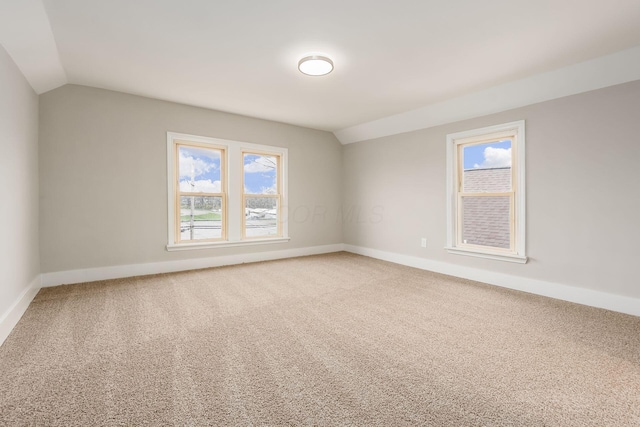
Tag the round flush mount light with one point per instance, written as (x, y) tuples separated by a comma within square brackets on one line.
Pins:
[(315, 65)]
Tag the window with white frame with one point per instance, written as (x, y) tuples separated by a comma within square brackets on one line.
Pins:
[(261, 194), (200, 196), (224, 193), (486, 192)]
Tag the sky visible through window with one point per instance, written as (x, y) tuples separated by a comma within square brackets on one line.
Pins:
[(260, 174), (490, 155), (202, 166), (200, 171)]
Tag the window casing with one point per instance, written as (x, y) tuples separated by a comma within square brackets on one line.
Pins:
[(486, 198), (210, 188)]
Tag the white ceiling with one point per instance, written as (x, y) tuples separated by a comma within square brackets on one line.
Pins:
[(240, 56)]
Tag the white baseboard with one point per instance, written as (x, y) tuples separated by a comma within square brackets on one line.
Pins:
[(11, 317), (119, 271), (574, 294)]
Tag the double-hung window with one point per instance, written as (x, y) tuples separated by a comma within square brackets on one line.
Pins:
[(200, 194), (261, 194), (486, 192), (224, 193)]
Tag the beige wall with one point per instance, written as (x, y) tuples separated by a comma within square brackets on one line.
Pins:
[(19, 253), (583, 191), (103, 164), (103, 177)]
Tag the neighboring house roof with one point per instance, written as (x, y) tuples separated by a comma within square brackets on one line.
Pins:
[(489, 180), (485, 220)]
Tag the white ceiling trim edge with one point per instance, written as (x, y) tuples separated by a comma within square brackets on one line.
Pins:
[(26, 35), (609, 70)]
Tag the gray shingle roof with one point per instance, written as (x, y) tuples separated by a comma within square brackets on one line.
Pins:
[(487, 180), (485, 220)]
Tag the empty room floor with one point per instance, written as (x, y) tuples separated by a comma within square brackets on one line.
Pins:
[(336, 339)]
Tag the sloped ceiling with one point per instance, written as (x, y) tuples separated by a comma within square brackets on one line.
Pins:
[(394, 61)]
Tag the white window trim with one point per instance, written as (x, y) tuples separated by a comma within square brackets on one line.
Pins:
[(455, 139), (233, 176)]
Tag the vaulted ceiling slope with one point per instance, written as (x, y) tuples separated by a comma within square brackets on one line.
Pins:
[(398, 64)]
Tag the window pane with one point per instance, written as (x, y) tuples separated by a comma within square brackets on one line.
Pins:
[(261, 216), (486, 221), (487, 167), (260, 174), (200, 218), (199, 169)]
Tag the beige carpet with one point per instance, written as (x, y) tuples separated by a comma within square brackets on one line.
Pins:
[(335, 339)]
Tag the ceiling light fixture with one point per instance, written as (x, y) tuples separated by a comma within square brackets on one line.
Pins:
[(315, 65)]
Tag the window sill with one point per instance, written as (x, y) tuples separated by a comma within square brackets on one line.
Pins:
[(489, 255), (225, 244)]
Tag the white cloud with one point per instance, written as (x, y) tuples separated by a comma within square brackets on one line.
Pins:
[(263, 190), (495, 158), (269, 190), (200, 186), (261, 164), (199, 166)]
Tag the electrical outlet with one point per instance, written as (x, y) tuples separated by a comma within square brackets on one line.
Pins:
[(423, 243)]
